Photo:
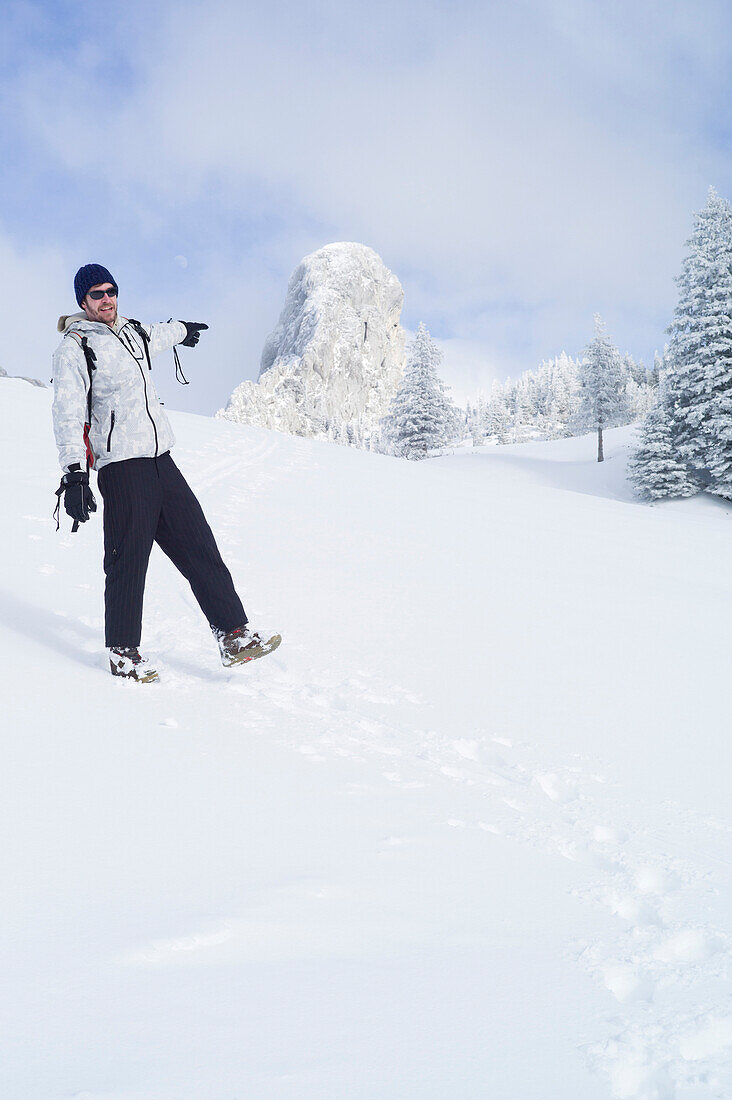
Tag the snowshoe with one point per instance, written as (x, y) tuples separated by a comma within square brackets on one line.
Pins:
[(126, 661), (243, 644)]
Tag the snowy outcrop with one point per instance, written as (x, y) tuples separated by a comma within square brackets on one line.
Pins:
[(22, 378), (334, 362)]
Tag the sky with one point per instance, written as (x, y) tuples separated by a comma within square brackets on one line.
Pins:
[(519, 167)]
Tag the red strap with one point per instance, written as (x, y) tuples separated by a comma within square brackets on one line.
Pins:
[(89, 452)]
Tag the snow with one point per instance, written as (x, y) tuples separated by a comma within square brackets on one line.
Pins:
[(465, 834), (335, 359)]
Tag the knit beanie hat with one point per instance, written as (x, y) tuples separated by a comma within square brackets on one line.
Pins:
[(88, 276)]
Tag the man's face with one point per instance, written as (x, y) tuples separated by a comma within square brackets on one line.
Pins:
[(101, 309)]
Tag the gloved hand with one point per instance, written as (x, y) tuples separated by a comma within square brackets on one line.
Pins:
[(78, 498), (193, 333)]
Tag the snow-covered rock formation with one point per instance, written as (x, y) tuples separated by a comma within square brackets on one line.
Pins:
[(22, 378), (334, 362)]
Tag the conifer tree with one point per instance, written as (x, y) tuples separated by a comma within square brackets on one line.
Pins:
[(495, 422), (602, 389), (699, 354), (422, 418), (655, 467), (524, 409), (639, 400), (476, 419)]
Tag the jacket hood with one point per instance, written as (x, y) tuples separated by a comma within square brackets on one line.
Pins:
[(67, 319), (81, 323)]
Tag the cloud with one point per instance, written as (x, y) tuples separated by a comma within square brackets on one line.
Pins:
[(518, 166), (31, 282)]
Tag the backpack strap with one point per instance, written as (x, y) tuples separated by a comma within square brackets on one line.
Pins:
[(91, 366)]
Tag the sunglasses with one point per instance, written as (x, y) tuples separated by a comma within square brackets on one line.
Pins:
[(97, 295)]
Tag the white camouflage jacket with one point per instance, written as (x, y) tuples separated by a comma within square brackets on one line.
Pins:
[(127, 419)]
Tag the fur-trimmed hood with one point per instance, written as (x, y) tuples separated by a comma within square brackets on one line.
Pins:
[(66, 320)]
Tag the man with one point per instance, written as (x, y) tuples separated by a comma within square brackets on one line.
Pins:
[(106, 414)]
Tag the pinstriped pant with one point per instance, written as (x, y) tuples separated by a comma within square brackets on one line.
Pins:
[(148, 500)]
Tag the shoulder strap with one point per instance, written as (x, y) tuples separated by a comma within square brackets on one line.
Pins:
[(91, 366)]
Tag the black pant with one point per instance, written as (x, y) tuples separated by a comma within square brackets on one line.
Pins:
[(148, 500)]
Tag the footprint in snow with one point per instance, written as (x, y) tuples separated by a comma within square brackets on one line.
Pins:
[(577, 852), (468, 750), (556, 788), (627, 983), (454, 773), (605, 834), (389, 843), (514, 804), (655, 880), (711, 1037), (634, 910), (691, 945), (310, 753), (634, 1073)]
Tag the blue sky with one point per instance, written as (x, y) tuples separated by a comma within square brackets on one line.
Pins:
[(518, 166)]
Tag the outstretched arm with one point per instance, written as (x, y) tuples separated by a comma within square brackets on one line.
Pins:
[(163, 334)]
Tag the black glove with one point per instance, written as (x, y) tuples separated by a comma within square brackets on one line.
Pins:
[(193, 333), (78, 498)]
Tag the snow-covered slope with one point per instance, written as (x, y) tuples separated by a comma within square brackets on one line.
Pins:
[(335, 359), (465, 835)]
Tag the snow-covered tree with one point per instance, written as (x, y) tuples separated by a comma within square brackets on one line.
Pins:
[(640, 399), (422, 418), (687, 438), (496, 427), (562, 395), (473, 414), (523, 407), (460, 428), (632, 370), (602, 390), (539, 405), (558, 388), (699, 354), (655, 467), (546, 403)]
